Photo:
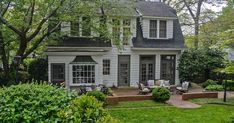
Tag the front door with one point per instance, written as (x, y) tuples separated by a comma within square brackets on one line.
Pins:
[(147, 68), (124, 70), (168, 68)]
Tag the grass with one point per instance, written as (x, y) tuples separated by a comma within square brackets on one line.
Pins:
[(130, 112), (138, 104), (230, 101)]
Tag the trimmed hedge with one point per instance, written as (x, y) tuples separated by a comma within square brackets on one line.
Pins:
[(33, 103), (214, 88), (98, 95), (161, 94)]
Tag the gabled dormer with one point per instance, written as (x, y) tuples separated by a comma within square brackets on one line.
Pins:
[(158, 26)]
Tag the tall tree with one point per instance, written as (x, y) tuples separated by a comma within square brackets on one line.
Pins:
[(28, 22)]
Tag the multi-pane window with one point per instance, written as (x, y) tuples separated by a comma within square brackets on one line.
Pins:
[(126, 31), (86, 29), (158, 29), (57, 72), (163, 29), (83, 74), (75, 28), (116, 30), (106, 67), (153, 29)]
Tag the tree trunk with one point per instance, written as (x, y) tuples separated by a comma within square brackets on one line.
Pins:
[(196, 33), (3, 55)]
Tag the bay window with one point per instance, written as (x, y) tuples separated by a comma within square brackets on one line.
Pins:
[(83, 74)]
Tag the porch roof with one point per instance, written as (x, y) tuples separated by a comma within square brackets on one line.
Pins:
[(83, 60)]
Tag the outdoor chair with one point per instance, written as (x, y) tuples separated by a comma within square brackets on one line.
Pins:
[(183, 88), (143, 89)]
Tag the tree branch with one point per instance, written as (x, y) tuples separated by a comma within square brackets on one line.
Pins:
[(40, 40), (5, 10), (38, 29), (189, 9), (30, 18), (4, 21)]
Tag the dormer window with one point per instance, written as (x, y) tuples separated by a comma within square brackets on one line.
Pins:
[(75, 28), (126, 31), (158, 29), (163, 29), (153, 28), (121, 31), (86, 29)]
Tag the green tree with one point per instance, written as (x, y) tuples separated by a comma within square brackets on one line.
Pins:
[(198, 63), (30, 23), (219, 32)]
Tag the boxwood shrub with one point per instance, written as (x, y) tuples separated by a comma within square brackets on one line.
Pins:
[(33, 103), (98, 95), (214, 88), (161, 94)]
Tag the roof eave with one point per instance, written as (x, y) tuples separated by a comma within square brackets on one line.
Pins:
[(152, 49)]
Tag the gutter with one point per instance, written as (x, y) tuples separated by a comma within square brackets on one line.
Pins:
[(151, 49)]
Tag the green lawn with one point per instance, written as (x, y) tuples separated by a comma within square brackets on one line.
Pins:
[(151, 112)]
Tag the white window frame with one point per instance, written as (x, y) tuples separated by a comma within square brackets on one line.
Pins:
[(158, 29), (121, 28), (108, 67), (79, 84)]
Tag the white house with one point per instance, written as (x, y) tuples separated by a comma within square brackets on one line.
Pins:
[(152, 51)]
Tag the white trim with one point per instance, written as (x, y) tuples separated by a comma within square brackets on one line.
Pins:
[(158, 29), (153, 17), (74, 53)]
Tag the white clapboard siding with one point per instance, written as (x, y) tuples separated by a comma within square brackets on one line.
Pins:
[(112, 79), (145, 27)]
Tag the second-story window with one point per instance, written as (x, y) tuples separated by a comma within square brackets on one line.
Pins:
[(153, 29), (163, 29), (86, 29), (126, 31), (75, 28), (116, 30)]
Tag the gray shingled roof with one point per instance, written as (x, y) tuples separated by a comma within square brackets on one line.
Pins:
[(157, 9), (176, 42), (83, 42), (147, 8)]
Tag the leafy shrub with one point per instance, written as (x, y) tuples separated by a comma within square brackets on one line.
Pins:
[(33, 103), (209, 82), (98, 95), (214, 88), (37, 69), (85, 109), (231, 119), (230, 84), (161, 94), (198, 63)]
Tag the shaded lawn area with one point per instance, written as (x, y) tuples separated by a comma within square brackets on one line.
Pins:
[(133, 112)]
